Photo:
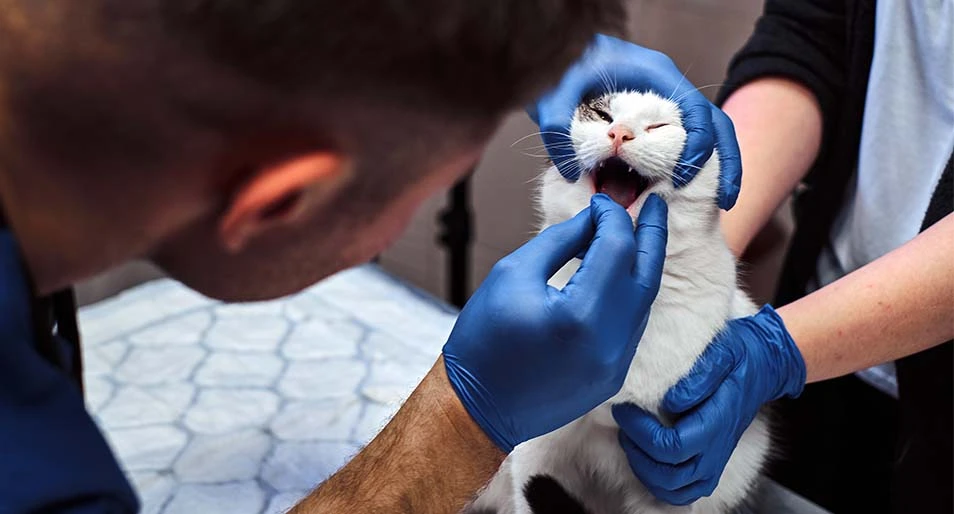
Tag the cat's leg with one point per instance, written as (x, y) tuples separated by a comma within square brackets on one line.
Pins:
[(738, 481), (497, 496), (742, 472), (590, 468), (564, 274), (546, 471), (742, 305), (626, 494)]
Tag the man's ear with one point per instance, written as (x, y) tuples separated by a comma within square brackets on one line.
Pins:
[(279, 195)]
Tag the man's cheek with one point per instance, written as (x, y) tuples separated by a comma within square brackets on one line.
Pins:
[(376, 237), (394, 225), (391, 223)]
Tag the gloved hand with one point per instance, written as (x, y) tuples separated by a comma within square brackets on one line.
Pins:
[(620, 65), (526, 358), (752, 361)]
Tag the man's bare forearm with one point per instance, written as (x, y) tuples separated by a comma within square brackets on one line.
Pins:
[(778, 124), (896, 306), (431, 458)]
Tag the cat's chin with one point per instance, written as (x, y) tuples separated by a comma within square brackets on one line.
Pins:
[(634, 208)]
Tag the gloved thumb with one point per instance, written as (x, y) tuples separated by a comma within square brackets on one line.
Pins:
[(546, 253), (708, 373)]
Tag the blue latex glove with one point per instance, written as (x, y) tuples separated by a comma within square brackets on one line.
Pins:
[(620, 65), (752, 361), (526, 358)]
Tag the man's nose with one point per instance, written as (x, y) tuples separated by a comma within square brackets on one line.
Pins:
[(619, 134)]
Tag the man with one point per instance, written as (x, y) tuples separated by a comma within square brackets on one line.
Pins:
[(252, 147)]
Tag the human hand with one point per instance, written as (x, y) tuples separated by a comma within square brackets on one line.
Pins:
[(752, 361), (526, 358), (620, 65)]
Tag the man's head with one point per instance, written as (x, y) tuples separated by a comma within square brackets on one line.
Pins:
[(252, 147)]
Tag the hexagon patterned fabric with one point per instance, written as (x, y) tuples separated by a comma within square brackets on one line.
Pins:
[(244, 408)]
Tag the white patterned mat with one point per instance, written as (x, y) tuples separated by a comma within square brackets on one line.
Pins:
[(215, 408)]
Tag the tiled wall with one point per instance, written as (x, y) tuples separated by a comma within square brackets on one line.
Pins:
[(700, 35)]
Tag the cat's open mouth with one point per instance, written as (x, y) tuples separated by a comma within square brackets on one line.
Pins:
[(619, 181)]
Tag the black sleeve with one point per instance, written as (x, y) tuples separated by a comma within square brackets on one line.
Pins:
[(802, 40)]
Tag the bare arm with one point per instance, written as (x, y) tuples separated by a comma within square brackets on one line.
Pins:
[(778, 124), (898, 305), (431, 458)]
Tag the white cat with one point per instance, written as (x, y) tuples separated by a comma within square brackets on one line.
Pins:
[(626, 146)]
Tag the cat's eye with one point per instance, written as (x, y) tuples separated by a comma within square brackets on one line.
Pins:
[(603, 115), (655, 126)]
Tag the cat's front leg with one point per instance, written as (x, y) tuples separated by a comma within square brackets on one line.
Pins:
[(545, 472), (497, 496)]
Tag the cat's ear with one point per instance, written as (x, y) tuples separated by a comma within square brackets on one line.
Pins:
[(280, 194)]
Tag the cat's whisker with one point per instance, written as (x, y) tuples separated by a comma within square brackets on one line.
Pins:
[(612, 80), (559, 143), (679, 180), (564, 134), (609, 85), (574, 168), (570, 152), (547, 148), (707, 86), (528, 136), (686, 164), (681, 80)]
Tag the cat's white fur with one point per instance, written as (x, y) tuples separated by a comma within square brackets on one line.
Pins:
[(699, 293)]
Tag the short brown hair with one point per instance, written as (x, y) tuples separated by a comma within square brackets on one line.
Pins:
[(458, 56)]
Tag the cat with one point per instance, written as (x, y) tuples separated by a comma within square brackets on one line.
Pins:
[(626, 145)]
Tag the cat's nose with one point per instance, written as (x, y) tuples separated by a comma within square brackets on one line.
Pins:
[(620, 134)]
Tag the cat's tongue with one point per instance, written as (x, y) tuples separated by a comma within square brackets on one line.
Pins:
[(617, 179), (622, 192)]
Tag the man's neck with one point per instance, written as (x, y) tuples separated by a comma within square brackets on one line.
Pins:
[(50, 241)]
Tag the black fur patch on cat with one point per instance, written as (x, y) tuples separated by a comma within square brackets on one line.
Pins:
[(546, 496)]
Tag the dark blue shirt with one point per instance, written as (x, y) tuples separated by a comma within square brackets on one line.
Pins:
[(53, 458)]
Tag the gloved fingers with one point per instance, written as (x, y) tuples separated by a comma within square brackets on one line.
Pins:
[(612, 251), (700, 136), (656, 474), (553, 117), (533, 111), (559, 146), (661, 443), (730, 159), (652, 232), (637, 68), (711, 423), (686, 494), (546, 253), (553, 113), (708, 373), (609, 64), (554, 109)]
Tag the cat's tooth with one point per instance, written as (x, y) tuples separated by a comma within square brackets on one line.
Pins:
[(601, 164), (631, 170)]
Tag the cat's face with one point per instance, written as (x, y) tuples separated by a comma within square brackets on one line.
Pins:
[(626, 146)]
